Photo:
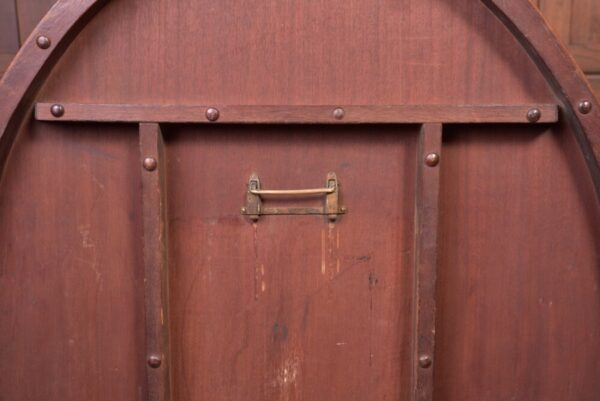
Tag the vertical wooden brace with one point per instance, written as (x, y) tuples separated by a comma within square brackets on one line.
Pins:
[(155, 261), (426, 256)]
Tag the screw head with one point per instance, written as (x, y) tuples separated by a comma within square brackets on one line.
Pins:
[(150, 163), (425, 361), (57, 110), (243, 210), (212, 114), (154, 361), (585, 106), (432, 159), (43, 42), (338, 113), (534, 115), (343, 209)]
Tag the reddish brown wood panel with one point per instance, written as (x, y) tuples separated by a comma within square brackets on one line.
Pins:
[(429, 153), (580, 107), (518, 278), (291, 307), (71, 277), (28, 72), (156, 270), (297, 307), (286, 114), (298, 53)]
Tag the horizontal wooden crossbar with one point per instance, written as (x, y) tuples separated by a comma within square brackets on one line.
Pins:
[(405, 114)]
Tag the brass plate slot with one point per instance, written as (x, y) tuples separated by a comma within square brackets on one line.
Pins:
[(255, 194)]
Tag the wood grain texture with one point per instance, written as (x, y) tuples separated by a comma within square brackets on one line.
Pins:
[(559, 16), (576, 24), (586, 30), (297, 53), (518, 276), (560, 69), (27, 72), (294, 307), (156, 276), (291, 307), (427, 202), (299, 114), (71, 272)]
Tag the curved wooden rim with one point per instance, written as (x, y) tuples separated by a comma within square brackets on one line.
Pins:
[(560, 69), (66, 18), (31, 66)]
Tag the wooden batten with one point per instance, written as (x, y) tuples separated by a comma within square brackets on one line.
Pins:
[(407, 114), (156, 277), (427, 200)]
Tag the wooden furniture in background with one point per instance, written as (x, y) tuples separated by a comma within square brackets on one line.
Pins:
[(577, 24)]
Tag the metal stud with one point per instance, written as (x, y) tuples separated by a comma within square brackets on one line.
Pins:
[(534, 115), (338, 113), (57, 110), (154, 361), (212, 114), (150, 163), (425, 361), (432, 159), (43, 42), (585, 106)]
